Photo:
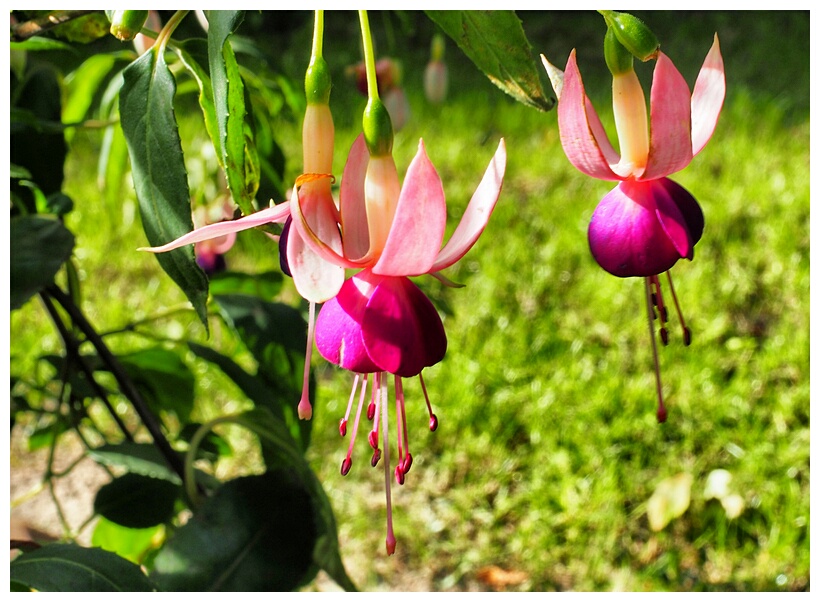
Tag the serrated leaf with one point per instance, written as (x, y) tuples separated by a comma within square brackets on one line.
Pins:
[(71, 568), (235, 146), (495, 41), (164, 380), (139, 458), (137, 501), (158, 169), (39, 247), (131, 544), (255, 533)]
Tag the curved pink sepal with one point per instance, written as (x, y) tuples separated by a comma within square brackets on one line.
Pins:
[(582, 136), (418, 225), (707, 98), (352, 210), (478, 212), (670, 144), (276, 214), (402, 331), (315, 278)]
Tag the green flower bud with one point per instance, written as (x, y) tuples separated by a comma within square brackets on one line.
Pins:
[(618, 58), (125, 24), (633, 34), (317, 81), (378, 128)]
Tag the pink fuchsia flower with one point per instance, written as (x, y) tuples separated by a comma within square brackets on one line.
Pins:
[(210, 253), (380, 323), (647, 222), (435, 73)]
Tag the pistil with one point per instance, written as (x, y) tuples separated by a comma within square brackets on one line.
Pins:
[(304, 409)]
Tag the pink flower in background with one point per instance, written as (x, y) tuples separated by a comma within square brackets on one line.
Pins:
[(210, 253), (647, 222)]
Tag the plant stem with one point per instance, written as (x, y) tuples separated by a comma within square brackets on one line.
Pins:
[(170, 26), (369, 60), (318, 33), (126, 385), (29, 29)]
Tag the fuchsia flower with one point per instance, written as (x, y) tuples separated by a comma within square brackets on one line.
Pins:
[(380, 322), (210, 253), (647, 222)]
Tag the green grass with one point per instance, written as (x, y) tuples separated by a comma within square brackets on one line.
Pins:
[(548, 449)]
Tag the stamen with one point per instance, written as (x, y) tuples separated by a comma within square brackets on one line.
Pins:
[(391, 538), (347, 462), (657, 301), (405, 460), (687, 334), (304, 408), (433, 419), (373, 436), (661, 408), (343, 423)]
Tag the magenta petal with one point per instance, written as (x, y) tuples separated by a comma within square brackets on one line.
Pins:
[(625, 235), (278, 214), (339, 327), (582, 136), (402, 330), (477, 214), (707, 99), (356, 236), (670, 122), (418, 224), (671, 219)]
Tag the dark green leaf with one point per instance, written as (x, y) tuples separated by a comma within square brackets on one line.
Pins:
[(139, 458), (39, 43), (136, 501), (206, 93), (71, 568), (59, 203), (235, 144), (39, 246), (131, 544), (256, 533), (495, 41), (158, 168), (265, 285), (258, 391), (164, 380)]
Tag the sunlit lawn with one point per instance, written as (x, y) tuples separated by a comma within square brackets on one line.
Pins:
[(548, 449)]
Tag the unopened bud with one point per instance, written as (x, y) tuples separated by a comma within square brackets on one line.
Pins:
[(125, 24), (633, 33)]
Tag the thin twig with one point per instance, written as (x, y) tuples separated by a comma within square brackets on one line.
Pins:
[(34, 27), (126, 384)]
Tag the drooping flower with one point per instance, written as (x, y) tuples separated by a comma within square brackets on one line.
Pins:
[(380, 323), (647, 222)]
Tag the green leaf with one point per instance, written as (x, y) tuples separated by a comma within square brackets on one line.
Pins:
[(259, 392), (206, 93), (256, 533), (81, 87), (139, 458), (158, 169), (136, 501), (164, 380), (38, 43), (265, 285), (495, 41), (71, 568), (235, 144), (39, 247), (131, 544)]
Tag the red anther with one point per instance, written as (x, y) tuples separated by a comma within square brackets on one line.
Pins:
[(661, 414), (433, 422), (654, 299), (343, 427), (373, 439), (377, 455), (399, 475), (371, 411), (664, 336), (665, 314), (687, 336), (406, 463), (346, 464)]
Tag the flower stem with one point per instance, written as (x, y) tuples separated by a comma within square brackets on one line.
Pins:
[(369, 59), (318, 32), (170, 26)]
